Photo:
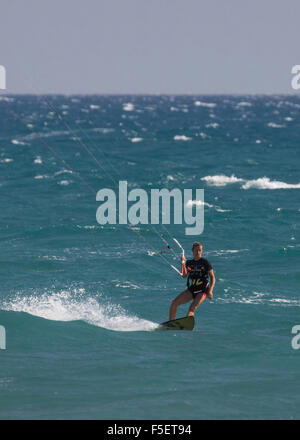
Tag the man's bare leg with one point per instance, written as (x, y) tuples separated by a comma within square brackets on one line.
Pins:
[(182, 298), (196, 303)]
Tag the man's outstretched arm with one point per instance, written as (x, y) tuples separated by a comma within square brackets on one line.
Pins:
[(212, 282)]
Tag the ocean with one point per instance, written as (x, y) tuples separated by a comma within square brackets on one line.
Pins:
[(80, 301)]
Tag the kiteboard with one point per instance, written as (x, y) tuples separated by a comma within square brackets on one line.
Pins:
[(186, 323)]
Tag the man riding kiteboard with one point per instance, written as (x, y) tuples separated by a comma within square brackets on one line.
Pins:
[(200, 282)]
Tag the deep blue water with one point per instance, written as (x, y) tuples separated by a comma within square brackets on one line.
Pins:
[(79, 300)]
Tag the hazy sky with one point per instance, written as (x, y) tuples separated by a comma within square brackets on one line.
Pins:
[(149, 46)]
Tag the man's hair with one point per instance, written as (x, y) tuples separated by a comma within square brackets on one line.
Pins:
[(197, 244)]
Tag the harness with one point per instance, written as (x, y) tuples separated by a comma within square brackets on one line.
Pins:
[(197, 277)]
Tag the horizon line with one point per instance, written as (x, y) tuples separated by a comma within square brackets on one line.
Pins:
[(147, 94)]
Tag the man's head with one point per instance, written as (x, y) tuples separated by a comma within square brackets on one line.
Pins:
[(197, 249)]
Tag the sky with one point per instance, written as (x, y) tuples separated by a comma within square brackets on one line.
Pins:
[(149, 46)]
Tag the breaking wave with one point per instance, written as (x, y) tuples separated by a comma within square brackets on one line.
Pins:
[(74, 305), (260, 183)]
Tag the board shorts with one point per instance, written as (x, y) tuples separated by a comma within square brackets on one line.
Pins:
[(195, 290)]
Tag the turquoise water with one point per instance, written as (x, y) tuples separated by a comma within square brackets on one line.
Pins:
[(79, 301)]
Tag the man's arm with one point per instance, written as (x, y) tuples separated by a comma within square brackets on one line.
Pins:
[(212, 282), (185, 271)]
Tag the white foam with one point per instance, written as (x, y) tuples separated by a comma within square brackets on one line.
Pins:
[(199, 203), (222, 210), (103, 130), (38, 160), (260, 183), (256, 298), (126, 285), (7, 99), (266, 183), (38, 177), (181, 138), (64, 182), (202, 135), (90, 227), (273, 125), (213, 125), (136, 139), (53, 258), (222, 252), (74, 305), (128, 107), (221, 180), (244, 104), (16, 142), (205, 104), (63, 172)]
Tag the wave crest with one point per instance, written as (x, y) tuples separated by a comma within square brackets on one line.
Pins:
[(76, 305), (260, 183)]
